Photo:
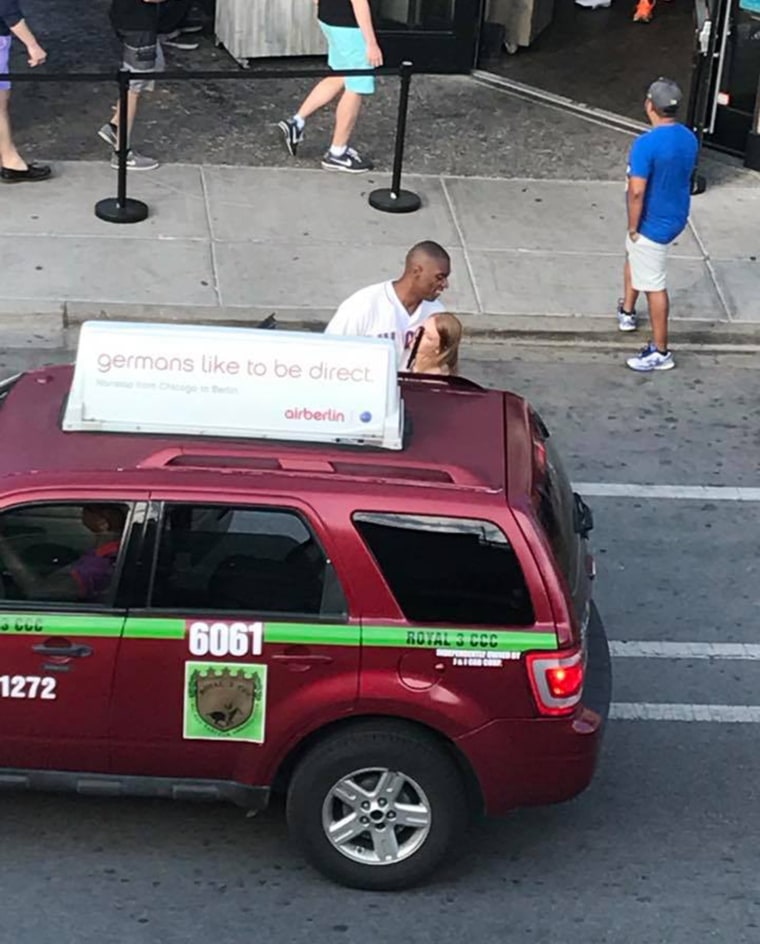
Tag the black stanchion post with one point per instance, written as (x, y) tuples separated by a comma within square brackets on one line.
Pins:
[(122, 209), (397, 200)]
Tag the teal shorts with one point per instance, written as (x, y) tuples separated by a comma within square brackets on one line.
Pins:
[(346, 49)]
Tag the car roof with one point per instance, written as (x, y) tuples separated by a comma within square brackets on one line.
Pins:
[(455, 437)]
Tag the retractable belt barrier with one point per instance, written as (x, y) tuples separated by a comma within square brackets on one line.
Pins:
[(124, 209)]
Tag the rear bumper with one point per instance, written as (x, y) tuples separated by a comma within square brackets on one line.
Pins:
[(544, 760)]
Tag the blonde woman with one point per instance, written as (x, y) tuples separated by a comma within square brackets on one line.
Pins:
[(436, 347)]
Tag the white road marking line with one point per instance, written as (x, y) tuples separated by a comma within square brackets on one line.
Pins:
[(721, 714), (740, 651), (693, 492)]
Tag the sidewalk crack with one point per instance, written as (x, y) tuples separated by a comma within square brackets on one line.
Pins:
[(465, 253), (711, 270), (211, 239)]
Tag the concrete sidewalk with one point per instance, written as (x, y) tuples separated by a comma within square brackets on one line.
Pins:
[(235, 244)]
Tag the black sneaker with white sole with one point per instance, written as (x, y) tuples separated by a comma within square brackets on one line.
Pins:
[(292, 133), (350, 162)]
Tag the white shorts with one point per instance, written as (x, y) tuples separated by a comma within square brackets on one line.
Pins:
[(648, 261)]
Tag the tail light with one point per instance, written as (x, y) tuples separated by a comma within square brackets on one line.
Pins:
[(556, 680)]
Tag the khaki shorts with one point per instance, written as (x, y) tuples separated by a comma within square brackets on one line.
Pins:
[(648, 261)]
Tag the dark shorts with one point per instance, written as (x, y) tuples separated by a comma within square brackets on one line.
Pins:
[(141, 52)]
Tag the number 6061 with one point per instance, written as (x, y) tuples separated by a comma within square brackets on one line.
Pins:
[(225, 639)]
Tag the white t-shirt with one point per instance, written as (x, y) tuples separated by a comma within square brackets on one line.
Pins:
[(376, 312)]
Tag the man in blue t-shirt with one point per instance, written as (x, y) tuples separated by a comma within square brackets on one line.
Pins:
[(660, 169)]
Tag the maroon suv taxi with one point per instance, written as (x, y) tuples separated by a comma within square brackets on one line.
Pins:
[(396, 639)]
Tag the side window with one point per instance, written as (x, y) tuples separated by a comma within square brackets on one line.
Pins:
[(260, 560), (448, 570), (62, 553)]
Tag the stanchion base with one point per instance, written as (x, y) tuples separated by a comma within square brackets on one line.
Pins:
[(752, 154), (403, 202), (131, 211)]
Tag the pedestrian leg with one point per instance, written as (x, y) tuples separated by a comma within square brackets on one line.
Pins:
[(659, 309), (346, 117), (9, 156), (630, 294)]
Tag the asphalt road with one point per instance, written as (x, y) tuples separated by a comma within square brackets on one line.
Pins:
[(661, 848)]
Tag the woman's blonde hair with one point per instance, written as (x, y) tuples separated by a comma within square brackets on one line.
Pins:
[(449, 329)]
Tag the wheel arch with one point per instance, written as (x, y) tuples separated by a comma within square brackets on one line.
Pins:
[(291, 760)]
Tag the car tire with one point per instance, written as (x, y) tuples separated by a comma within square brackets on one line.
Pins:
[(367, 758)]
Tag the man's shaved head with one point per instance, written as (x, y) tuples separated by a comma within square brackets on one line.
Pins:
[(427, 250), (426, 273)]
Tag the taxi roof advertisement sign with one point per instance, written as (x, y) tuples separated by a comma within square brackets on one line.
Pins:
[(195, 380)]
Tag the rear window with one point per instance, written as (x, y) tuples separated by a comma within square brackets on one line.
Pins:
[(448, 570), (555, 503)]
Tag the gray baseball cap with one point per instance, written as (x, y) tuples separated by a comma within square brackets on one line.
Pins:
[(665, 95)]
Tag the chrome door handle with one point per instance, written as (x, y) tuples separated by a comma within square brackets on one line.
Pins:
[(306, 658), (72, 652)]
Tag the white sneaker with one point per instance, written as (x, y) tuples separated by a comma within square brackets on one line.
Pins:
[(135, 161), (626, 320), (649, 358)]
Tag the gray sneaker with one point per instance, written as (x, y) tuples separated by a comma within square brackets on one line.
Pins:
[(135, 161), (627, 320), (350, 162), (109, 134)]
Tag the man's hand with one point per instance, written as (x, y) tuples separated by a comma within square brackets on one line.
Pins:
[(374, 55), (36, 54)]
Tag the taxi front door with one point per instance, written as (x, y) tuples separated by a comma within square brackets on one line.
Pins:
[(243, 645), (57, 658)]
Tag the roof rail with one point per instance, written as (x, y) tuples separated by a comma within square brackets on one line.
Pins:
[(355, 466)]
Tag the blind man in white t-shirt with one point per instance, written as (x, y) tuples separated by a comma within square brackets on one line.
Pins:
[(396, 309)]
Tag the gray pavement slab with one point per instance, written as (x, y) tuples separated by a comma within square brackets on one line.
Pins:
[(51, 268), (562, 283), (727, 221), (307, 206), (313, 276), (740, 283), (63, 207), (545, 215)]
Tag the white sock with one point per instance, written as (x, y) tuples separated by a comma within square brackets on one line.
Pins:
[(337, 151), (299, 121)]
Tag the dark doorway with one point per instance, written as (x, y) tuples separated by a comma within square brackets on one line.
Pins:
[(436, 35), (601, 57)]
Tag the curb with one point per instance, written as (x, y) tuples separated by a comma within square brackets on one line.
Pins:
[(56, 326)]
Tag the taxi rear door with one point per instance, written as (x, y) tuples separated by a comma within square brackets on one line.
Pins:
[(244, 643)]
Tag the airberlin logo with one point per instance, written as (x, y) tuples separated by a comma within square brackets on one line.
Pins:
[(322, 416)]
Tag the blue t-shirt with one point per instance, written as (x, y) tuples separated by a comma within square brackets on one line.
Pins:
[(665, 157)]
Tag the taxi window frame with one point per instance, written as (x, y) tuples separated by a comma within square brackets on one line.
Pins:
[(114, 602), (154, 527), (469, 525)]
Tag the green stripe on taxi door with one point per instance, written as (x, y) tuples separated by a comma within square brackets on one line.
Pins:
[(315, 634), (60, 624), (474, 640)]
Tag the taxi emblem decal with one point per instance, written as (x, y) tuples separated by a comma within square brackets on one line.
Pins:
[(224, 700)]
